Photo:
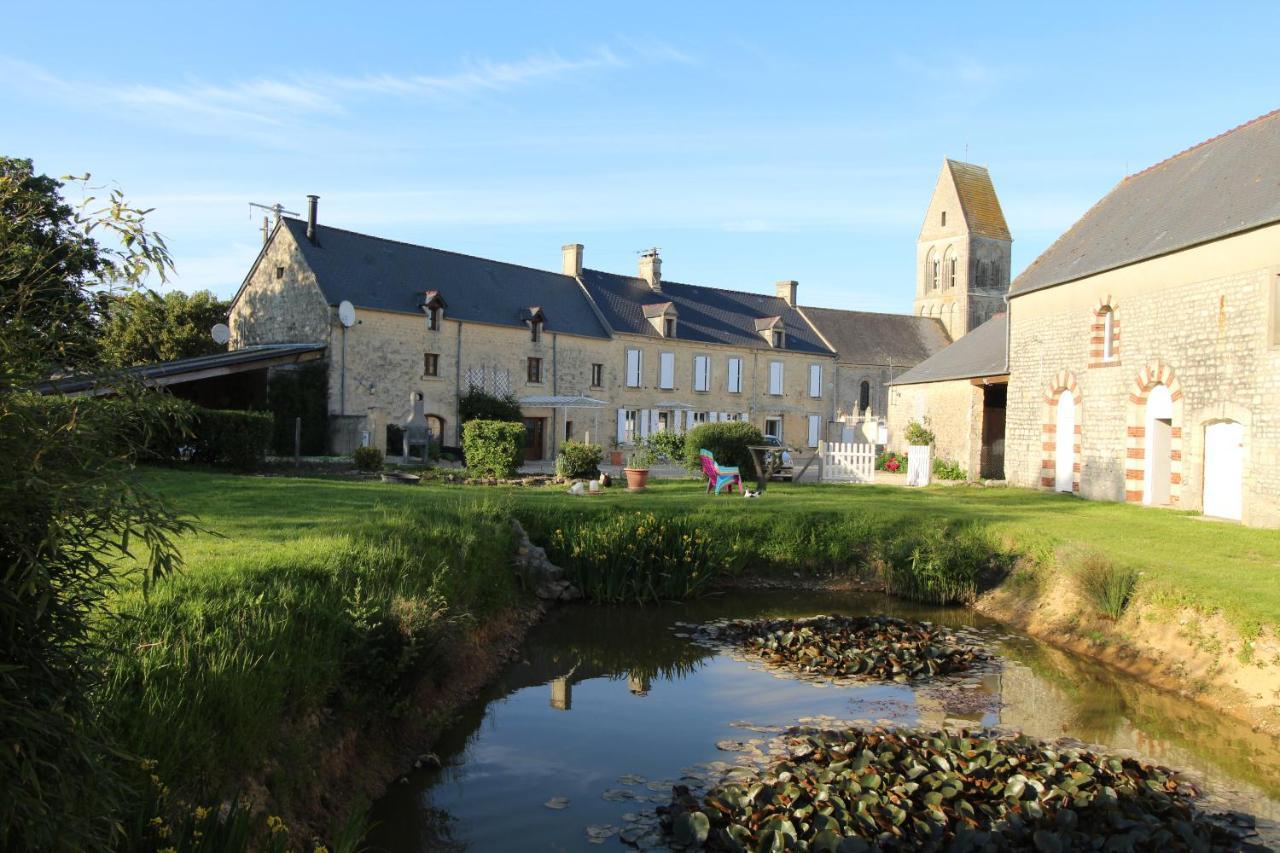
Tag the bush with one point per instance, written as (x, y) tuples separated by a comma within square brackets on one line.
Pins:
[(578, 460), (225, 438), (945, 469), (1108, 587), (493, 448), (941, 565), (476, 405), (919, 433), (302, 392), (727, 441), (890, 461), (667, 446), (367, 459)]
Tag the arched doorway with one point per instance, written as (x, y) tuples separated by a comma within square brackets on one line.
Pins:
[(435, 424), (1158, 453), (1224, 469), (1064, 444)]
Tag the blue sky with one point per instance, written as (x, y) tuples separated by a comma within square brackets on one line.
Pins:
[(751, 142)]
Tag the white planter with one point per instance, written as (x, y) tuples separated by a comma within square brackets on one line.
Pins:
[(919, 464)]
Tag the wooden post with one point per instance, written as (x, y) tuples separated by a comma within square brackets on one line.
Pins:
[(297, 441)]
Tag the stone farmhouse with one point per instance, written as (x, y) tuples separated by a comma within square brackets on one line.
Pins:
[(1141, 350), (600, 356)]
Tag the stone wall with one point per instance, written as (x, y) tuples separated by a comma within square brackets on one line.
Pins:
[(954, 413), (280, 301), (1196, 322)]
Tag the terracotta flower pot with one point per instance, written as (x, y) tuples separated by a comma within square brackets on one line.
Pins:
[(615, 457), (636, 479)]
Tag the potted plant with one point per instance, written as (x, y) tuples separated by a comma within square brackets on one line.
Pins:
[(615, 452), (638, 469)]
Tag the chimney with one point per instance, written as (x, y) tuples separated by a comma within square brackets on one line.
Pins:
[(571, 259), (651, 268), (312, 202), (786, 291)]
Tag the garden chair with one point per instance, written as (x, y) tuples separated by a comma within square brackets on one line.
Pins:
[(719, 476)]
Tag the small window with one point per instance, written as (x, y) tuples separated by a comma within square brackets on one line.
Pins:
[(944, 219), (668, 327), (701, 373), (433, 319), (597, 376), (430, 364), (699, 417), (778, 338), (1108, 334), (635, 366), (775, 377), (735, 376), (279, 273), (535, 369), (773, 427), (864, 396), (535, 331)]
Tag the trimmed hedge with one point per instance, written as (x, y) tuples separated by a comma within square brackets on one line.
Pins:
[(225, 438), (493, 448), (169, 430), (578, 460), (727, 441)]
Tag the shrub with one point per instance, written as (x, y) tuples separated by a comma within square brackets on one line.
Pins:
[(302, 392), (577, 460), (367, 459), (231, 439), (477, 405), (890, 461), (493, 448), (727, 441), (919, 433), (945, 469), (667, 446), (1108, 587), (940, 565)]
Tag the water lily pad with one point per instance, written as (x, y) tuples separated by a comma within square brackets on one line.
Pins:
[(631, 779), (557, 803), (617, 795)]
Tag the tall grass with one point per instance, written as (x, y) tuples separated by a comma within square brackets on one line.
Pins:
[(939, 563), (1108, 587)]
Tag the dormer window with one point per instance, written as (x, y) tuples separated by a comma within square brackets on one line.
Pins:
[(662, 316), (779, 338), (433, 306), (535, 330), (773, 331), (668, 327), (533, 316)]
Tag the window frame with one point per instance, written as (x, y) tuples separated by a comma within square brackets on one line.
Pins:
[(535, 331), (638, 375), (431, 364), (433, 319), (774, 419), (864, 386), (735, 365), (532, 362), (781, 378), (668, 327), (777, 338), (597, 374)]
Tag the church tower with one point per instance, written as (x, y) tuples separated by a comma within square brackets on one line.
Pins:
[(963, 252)]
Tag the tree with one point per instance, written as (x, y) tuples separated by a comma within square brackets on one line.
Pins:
[(69, 509), (144, 327), (477, 405)]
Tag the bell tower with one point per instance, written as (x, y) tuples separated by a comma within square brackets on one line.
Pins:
[(963, 251)]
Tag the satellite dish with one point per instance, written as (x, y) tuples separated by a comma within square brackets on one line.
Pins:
[(220, 334), (346, 314)]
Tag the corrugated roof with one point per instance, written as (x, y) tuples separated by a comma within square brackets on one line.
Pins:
[(1222, 186), (176, 371), (982, 352), (388, 275), (706, 314), (864, 337), (978, 198)]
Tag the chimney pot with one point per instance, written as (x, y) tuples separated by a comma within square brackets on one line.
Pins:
[(313, 201), (571, 259), (651, 269), (786, 291)]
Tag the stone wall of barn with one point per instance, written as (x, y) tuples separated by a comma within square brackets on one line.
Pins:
[(952, 410)]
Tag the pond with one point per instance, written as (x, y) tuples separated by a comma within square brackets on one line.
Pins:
[(606, 705)]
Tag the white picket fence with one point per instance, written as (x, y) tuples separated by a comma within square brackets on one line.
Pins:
[(848, 463)]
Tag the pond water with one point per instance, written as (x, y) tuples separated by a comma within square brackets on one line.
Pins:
[(603, 700)]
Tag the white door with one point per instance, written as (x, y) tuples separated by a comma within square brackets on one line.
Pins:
[(1224, 469), (1065, 442), (1159, 446)]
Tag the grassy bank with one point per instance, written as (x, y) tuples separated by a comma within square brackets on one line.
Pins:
[(310, 597)]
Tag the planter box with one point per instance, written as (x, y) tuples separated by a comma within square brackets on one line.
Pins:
[(919, 464)]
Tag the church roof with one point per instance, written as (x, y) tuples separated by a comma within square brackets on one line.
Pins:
[(978, 199), (864, 337), (1220, 187), (982, 352)]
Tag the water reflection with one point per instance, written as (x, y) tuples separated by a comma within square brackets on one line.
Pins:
[(603, 692)]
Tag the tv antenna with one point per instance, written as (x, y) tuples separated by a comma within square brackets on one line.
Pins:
[(276, 208)]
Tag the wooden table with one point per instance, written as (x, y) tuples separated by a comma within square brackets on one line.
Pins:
[(767, 459)]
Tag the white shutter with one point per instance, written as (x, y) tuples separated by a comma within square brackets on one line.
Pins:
[(735, 375), (679, 426), (712, 416), (744, 417), (635, 368), (701, 373), (815, 380), (643, 426), (622, 425), (653, 421), (775, 377), (814, 426), (667, 370)]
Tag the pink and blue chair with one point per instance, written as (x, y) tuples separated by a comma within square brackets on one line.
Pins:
[(719, 476)]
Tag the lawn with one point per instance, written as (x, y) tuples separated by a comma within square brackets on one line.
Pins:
[(1185, 559)]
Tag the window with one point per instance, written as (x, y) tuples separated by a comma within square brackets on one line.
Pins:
[(815, 429), (701, 373), (775, 377), (934, 274), (1108, 334), (950, 259), (568, 430), (773, 427), (815, 380), (666, 370), (631, 426), (668, 327), (535, 331), (864, 396), (597, 376), (735, 376), (535, 369), (699, 417), (779, 339), (944, 219), (635, 366), (279, 273), (430, 364), (664, 421), (433, 319)]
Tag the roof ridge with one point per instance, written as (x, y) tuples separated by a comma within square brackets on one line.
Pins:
[(866, 313), (431, 248), (955, 162), (1256, 120), (686, 284)]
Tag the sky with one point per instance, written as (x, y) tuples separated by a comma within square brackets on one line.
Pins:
[(749, 142)]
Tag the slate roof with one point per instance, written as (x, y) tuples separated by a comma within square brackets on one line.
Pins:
[(706, 314), (978, 199), (865, 337), (1222, 186), (389, 275), (982, 352)]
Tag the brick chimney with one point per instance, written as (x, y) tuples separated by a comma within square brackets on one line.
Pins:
[(651, 268), (786, 291), (313, 201), (571, 259)]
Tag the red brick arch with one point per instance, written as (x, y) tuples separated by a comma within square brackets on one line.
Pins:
[(1063, 380), (1135, 469)]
